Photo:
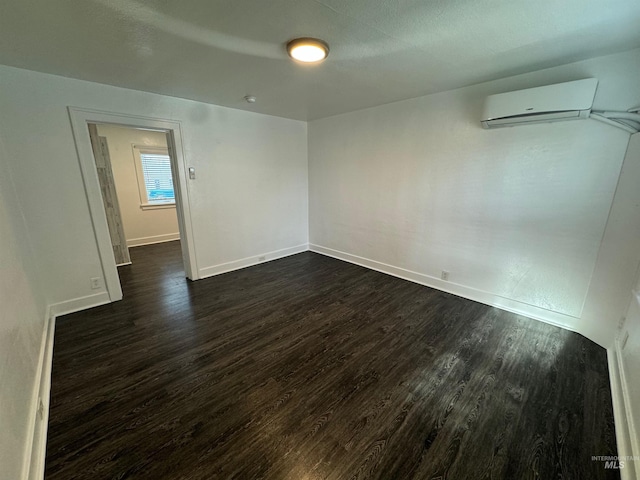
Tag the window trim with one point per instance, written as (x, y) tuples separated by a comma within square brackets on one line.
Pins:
[(157, 206), (142, 187)]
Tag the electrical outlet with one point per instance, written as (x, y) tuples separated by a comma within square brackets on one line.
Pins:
[(444, 275), (261, 259), (95, 283)]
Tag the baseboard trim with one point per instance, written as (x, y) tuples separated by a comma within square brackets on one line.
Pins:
[(627, 403), (253, 260), (34, 462), (138, 242), (77, 304), (626, 439), (36, 445), (561, 320)]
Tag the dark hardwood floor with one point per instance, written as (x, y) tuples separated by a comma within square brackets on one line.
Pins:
[(311, 368)]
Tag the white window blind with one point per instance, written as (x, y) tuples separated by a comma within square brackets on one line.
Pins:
[(156, 169)]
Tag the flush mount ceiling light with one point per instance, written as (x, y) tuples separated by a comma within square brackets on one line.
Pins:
[(307, 50)]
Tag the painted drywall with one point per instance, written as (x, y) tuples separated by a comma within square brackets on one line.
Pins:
[(631, 365), (249, 197), (22, 317), (619, 254), (140, 226), (516, 215), (629, 350)]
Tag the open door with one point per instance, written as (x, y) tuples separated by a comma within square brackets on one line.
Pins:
[(189, 267), (109, 196)]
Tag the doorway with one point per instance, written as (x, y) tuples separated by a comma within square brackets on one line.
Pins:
[(152, 191), (136, 183)]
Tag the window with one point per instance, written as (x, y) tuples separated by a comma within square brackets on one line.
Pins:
[(155, 182)]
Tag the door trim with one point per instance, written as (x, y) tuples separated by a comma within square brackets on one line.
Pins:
[(80, 118)]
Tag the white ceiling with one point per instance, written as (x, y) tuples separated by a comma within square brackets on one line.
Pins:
[(218, 51)]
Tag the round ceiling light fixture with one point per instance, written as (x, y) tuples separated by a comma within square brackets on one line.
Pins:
[(308, 50)]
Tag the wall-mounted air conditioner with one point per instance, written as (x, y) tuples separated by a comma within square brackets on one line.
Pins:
[(552, 103)]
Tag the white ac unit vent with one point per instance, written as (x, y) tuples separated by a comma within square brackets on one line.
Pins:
[(552, 103)]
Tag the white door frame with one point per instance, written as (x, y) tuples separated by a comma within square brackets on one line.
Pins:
[(80, 118)]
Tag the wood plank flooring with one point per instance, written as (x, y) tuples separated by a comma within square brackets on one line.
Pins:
[(311, 368)]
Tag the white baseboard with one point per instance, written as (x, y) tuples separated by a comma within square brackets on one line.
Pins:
[(34, 462), (253, 260), (77, 304), (138, 242), (36, 445), (629, 406), (566, 322), (626, 437)]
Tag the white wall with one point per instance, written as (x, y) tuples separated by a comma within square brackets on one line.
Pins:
[(515, 215), (628, 355), (250, 196), (619, 255), (140, 226), (631, 365), (22, 316)]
